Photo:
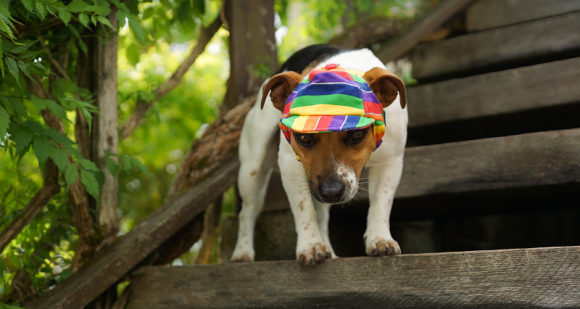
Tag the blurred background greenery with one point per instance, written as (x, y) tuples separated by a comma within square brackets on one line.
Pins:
[(148, 54)]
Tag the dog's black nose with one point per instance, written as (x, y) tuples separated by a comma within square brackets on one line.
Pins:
[(331, 191)]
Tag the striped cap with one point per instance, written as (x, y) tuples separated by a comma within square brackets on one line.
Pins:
[(333, 99)]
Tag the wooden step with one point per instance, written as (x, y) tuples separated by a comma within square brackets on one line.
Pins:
[(544, 85), (521, 278), (520, 161), (487, 14), (506, 46)]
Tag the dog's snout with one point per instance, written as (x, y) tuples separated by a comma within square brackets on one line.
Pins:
[(331, 191)]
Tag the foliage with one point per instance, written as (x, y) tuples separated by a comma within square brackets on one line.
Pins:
[(154, 37)]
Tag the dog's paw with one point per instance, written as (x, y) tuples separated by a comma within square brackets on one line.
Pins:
[(382, 247), (313, 255), (241, 258)]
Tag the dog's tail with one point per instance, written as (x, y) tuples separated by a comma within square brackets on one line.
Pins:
[(308, 55)]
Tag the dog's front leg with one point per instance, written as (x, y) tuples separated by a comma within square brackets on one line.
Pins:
[(311, 247), (383, 182)]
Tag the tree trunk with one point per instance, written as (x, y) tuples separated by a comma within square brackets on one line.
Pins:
[(253, 55), (105, 136)]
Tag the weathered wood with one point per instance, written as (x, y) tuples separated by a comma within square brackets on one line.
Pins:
[(111, 264), (400, 45), (487, 14), (528, 160), (522, 278), (520, 161), (522, 42), (543, 85)]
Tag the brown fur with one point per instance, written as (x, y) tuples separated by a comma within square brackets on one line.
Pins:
[(329, 150), (386, 86)]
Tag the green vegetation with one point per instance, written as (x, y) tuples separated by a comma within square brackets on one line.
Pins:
[(154, 37)]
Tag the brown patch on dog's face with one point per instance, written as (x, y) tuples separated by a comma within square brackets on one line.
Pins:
[(334, 161)]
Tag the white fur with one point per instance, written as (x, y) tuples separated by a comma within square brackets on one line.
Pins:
[(311, 217)]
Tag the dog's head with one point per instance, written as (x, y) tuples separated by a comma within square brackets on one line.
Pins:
[(334, 160)]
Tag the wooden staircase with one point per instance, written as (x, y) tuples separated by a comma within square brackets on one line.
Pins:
[(494, 128)]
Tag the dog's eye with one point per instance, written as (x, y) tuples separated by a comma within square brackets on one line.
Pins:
[(304, 139), (355, 137)]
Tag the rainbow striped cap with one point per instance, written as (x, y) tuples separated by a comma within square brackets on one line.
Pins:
[(333, 99)]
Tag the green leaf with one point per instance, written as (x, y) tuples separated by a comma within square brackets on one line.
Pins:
[(21, 136), (19, 107), (24, 68), (39, 103), (58, 137), (112, 166), (74, 31), (15, 261), (65, 16), (125, 162), (90, 182), (13, 68), (78, 6), (57, 110), (106, 22), (41, 147), (140, 166), (83, 46), (1, 59), (28, 4), (88, 165), (199, 7), (84, 19), (4, 122), (59, 157), (65, 85), (137, 29), (133, 54), (148, 13), (71, 174), (94, 19), (120, 6), (41, 10), (133, 6)]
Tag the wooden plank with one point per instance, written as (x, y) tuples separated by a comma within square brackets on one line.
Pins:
[(497, 47), (519, 161), (487, 14), (522, 278), (543, 85), (125, 253), (400, 45), (528, 160)]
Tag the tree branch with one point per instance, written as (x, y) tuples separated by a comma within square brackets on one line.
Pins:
[(49, 189), (55, 63), (76, 193), (142, 106), (211, 225)]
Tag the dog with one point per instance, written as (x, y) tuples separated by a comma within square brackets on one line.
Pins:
[(321, 169)]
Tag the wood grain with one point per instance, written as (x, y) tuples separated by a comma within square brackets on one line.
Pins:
[(543, 85), (519, 161), (487, 14), (521, 42), (114, 262), (403, 43), (522, 278)]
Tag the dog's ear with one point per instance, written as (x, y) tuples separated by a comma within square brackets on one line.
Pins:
[(280, 87), (386, 85)]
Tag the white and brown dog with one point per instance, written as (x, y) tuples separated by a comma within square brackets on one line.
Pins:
[(331, 164)]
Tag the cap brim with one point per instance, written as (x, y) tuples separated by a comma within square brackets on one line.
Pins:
[(319, 124)]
